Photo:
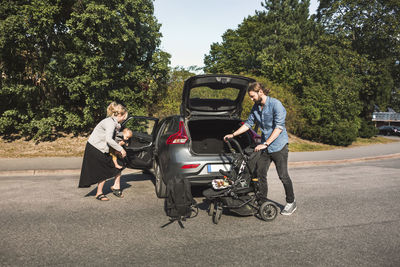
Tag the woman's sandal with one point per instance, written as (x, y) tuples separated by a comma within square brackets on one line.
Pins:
[(102, 197), (117, 192)]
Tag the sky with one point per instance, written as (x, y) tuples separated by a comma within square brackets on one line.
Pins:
[(189, 27)]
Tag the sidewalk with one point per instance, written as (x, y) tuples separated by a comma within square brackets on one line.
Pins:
[(72, 165)]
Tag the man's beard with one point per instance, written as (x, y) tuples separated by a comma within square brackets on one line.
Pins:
[(258, 102)]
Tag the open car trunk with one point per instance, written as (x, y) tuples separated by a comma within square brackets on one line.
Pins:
[(207, 135)]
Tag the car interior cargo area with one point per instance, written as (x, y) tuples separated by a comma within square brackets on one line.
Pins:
[(207, 135)]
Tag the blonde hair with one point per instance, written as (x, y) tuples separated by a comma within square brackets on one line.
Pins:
[(114, 109)]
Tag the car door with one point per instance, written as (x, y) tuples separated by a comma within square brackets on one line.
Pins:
[(163, 155), (141, 145)]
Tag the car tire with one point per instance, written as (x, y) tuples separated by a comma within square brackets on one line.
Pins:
[(161, 188)]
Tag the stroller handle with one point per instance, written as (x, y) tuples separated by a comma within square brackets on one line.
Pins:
[(239, 148)]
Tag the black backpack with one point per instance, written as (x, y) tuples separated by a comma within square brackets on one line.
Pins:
[(179, 204)]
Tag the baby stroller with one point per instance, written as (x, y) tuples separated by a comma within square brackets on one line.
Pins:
[(238, 191)]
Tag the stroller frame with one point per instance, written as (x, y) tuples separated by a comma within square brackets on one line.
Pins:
[(242, 196)]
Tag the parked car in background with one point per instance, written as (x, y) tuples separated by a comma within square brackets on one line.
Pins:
[(389, 130), (191, 144)]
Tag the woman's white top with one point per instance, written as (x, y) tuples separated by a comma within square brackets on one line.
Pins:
[(102, 135)]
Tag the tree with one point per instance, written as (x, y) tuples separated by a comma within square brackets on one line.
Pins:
[(62, 62), (372, 27), (328, 86), (294, 119), (289, 48), (288, 28), (239, 49), (268, 36), (173, 98)]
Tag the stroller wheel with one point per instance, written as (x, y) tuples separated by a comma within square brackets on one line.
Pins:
[(211, 208), (268, 211), (218, 213)]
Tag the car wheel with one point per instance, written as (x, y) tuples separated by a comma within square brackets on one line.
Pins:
[(161, 188), (268, 211)]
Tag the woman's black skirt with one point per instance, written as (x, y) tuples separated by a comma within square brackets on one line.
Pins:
[(96, 167)]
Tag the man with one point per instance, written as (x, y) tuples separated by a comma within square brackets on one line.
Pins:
[(270, 114)]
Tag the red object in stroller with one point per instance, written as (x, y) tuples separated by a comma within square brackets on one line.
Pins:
[(239, 191)]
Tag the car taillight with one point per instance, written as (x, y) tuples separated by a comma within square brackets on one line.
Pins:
[(179, 137), (190, 166)]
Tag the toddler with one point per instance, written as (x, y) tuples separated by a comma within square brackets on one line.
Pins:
[(121, 138)]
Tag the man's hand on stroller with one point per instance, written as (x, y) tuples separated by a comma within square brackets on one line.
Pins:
[(228, 136), (260, 147)]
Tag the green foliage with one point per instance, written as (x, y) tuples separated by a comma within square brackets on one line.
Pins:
[(367, 129), (269, 35), (328, 85), (63, 62), (338, 64), (395, 101), (244, 43), (173, 99), (372, 27), (266, 45), (171, 102), (205, 92), (8, 122), (294, 119)]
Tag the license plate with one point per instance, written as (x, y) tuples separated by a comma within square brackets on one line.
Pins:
[(217, 167)]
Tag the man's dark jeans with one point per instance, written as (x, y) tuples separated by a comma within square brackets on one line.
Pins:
[(280, 159)]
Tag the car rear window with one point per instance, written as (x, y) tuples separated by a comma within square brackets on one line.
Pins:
[(204, 92)]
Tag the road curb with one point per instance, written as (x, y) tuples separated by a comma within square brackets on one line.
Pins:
[(341, 161), (53, 172), (58, 172)]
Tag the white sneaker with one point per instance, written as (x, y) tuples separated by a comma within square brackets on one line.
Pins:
[(289, 208)]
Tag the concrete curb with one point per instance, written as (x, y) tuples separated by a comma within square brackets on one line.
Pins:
[(53, 172), (342, 161), (59, 172)]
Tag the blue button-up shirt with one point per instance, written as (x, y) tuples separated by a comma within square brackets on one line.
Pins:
[(271, 116)]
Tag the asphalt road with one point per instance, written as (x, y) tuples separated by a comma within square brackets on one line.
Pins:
[(348, 215)]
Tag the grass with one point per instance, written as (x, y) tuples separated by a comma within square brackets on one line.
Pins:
[(66, 146), (299, 145), (371, 141), (71, 146)]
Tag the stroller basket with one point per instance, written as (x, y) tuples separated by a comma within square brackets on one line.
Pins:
[(238, 201)]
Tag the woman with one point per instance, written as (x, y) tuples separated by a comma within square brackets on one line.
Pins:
[(97, 163)]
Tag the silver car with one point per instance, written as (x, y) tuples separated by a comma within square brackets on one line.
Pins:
[(191, 144)]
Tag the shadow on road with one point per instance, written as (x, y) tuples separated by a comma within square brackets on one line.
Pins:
[(136, 177), (125, 179)]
